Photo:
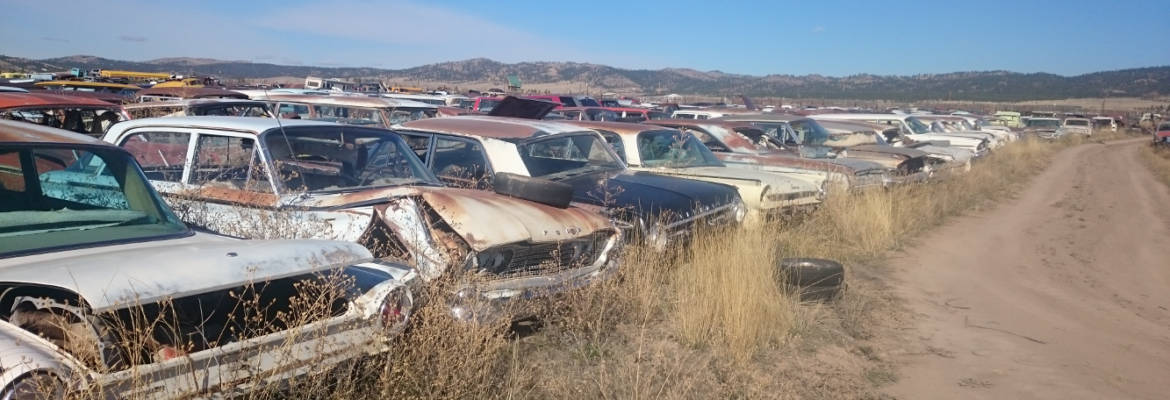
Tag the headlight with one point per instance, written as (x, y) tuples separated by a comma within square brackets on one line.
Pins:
[(740, 209), (395, 309), (656, 237), (35, 386)]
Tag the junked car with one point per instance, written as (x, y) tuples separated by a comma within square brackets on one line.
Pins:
[(1104, 123), (1162, 134), (380, 112), (1078, 126), (267, 178), (944, 156), (675, 153), (178, 93), (200, 107), (104, 292), (658, 210), (743, 145), (790, 131), (1047, 128), (913, 129), (952, 124), (75, 114)]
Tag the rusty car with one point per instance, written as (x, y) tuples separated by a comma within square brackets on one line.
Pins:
[(672, 152), (913, 129), (944, 157), (176, 93), (743, 145), (380, 112), (272, 178), (72, 113), (1079, 126), (200, 107), (658, 210), (104, 292), (795, 131)]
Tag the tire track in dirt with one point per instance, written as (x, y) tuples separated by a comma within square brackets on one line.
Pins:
[(1062, 292)]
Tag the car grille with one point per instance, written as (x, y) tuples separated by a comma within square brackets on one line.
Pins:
[(542, 258), (711, 218)]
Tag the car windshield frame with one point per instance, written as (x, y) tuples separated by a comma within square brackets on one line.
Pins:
[(144, 207), (689, 144), (284, 136), (613, 162)]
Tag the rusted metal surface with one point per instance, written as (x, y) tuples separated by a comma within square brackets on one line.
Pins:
[(111, 98), (21, 132), (348, 101), (190, 93), (47, 99), (492, 127)]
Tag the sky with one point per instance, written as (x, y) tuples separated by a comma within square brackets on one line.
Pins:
[(833, 38)]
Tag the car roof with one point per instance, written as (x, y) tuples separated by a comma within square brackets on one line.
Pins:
[(14, 99), (762, 117), (350, 101), (188, 102), (493, 127), (24, 132), (87, 84), (237, 124), (623, 128), (700, 123), (188, 92)]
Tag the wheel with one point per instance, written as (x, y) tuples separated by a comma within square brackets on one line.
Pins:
[(812, 272)]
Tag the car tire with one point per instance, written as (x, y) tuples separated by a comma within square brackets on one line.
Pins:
[(536, 190), (813, 278)]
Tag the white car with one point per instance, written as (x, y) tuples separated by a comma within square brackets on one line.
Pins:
[(913, 129), (106, 293), (1079, 126)]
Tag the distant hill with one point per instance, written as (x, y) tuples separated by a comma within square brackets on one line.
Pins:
[(979, 86)]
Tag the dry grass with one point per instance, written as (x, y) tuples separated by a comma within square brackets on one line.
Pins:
[(1157, 159), (713, 321)]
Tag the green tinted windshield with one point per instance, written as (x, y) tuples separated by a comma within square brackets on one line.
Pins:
[(60, 197)]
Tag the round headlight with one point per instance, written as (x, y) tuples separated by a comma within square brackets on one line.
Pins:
[(395, 309), (656, 237), (740, 209), (34, 387)]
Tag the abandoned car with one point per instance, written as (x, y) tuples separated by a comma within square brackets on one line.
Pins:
[(913, 129), (660, 210), (944, 157), (200, 107), (177, 93), (75, 114), (104, 291), (672, 152), (377, 112), (267, 178)]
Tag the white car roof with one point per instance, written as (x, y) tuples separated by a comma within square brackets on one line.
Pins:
[(254, 125)]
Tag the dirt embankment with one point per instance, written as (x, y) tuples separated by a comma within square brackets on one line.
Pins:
[(1062, 292)]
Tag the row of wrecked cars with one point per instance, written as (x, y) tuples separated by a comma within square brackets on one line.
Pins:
[(248, 241)]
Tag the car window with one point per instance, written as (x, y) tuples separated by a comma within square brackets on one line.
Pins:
[(232, 110), (364, 114), (419, 143), (568, 101), (460, 162), (229, 163), (162, 155), (676, 149), (701, 116), (615, 142), (11, 176), (151, 112), (710, 141), (568, 155), (684, 116), (289, 110), (343, 157), (658, 115), (83, 196)]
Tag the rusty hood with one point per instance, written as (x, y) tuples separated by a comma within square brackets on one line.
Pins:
[(116, 277), (485, 219)]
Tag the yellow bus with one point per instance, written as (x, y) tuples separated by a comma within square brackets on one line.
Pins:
[(136, 76), (82, 86), (188, 82)]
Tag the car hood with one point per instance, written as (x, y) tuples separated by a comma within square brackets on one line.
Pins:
[(900, 151), (810, 164), (741, 176), (485, 219), (649, 194), (177, 268)]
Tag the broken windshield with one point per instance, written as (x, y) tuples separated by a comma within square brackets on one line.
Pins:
[(674, 149), (55, 197), (339, 158), (564, 156)]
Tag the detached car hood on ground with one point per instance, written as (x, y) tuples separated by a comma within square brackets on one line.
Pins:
[(483, 219), (113, 276)]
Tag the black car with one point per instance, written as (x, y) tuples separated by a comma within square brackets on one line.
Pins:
[(498, 153)]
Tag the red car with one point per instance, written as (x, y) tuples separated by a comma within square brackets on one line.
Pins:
[(568, 100), (1162, 135), (72, 113)]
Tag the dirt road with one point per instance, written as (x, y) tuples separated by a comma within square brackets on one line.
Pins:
[(1060, 293)]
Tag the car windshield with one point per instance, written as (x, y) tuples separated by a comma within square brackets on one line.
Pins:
[(917, 126), (232, 110), (565, 156), (1035, 122), (658, 115), (809, 131), (588, 102), (675, 149), (1076, 122), (55, 196), (343, 158), (403, 115), (368, 114)]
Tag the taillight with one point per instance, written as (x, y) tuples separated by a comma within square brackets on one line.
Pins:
[(396, 308)]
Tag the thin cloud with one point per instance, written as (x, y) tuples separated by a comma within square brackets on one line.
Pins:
[(132, 38), (53, 39), (818, 30)]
